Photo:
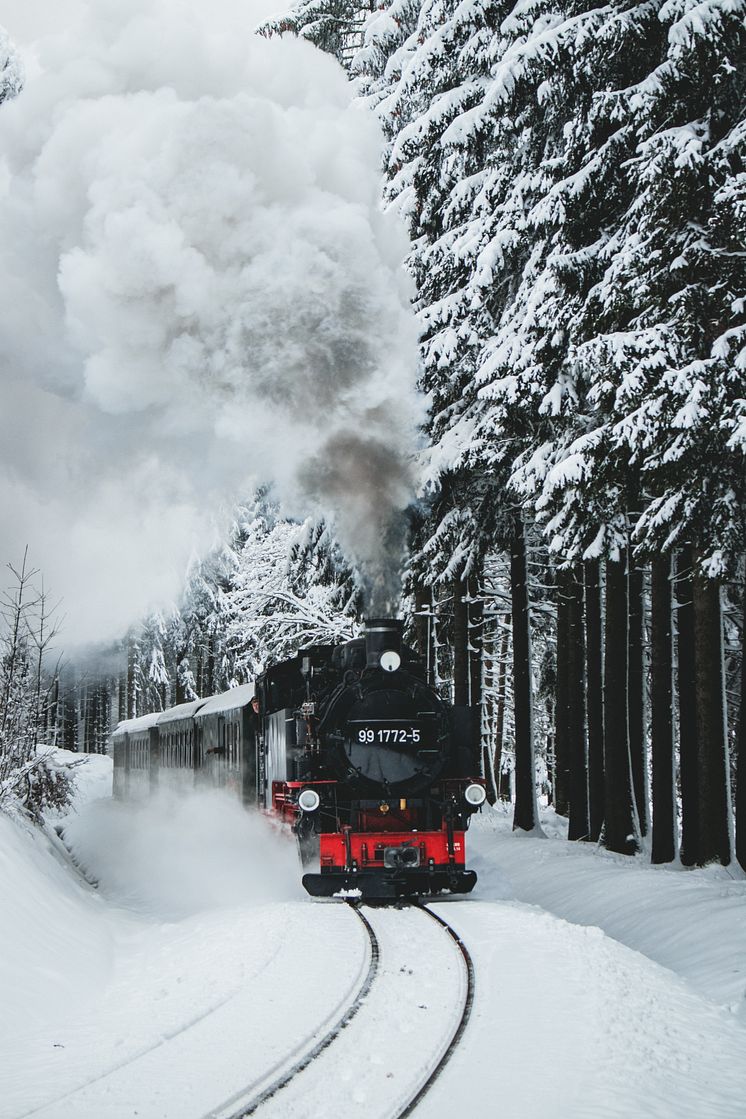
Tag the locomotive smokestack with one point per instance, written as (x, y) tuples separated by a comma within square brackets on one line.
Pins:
[(382, 635)]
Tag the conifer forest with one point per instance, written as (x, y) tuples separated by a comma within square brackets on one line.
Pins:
[(572, 179)]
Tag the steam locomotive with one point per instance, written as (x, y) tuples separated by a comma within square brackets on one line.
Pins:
[(349, 747), (370, 768)]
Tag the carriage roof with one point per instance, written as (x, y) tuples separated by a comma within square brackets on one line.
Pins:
[(195, 709), (136, 726), (181, 711), (227, 701)]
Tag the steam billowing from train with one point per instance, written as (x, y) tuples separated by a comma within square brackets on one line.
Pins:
[(200, 292)]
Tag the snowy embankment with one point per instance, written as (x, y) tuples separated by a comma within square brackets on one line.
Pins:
[(198, 965), (607, 987), (690, 921)]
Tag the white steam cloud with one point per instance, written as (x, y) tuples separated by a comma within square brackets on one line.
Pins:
[(180, 854), (200, 292)]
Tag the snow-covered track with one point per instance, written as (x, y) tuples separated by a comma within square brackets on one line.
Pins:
[(251, 1100), (222, 1056), (463, 1021), (407, 1026)]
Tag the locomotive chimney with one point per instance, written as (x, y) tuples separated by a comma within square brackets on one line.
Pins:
[(382, 635)]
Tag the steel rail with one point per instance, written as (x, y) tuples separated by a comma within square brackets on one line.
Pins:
[(253, 1104), (462, 1023)]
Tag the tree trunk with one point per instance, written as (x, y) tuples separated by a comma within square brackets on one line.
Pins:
[(561, 774), (594, 691), (53, 714), (132, 704), (210, 688), (89, 719), (578, 753), (661, 712), (636, 696), (502, 779), (619, 814), (741, 759), (423, 599), (122, 697), (69, 720), (489, 714), (685, 679), (526, 815), (107, 692), (460, 644), (712, 751), (475, 622)]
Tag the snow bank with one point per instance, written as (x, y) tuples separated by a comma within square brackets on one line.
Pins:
[(690, 921), (192, 898), (200, 292), (567, 1021), (57, 943), (164, 962)]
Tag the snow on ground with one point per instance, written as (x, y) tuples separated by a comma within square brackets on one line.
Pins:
[(691, 921), (567, 1021), (197, 964), (192, 958)]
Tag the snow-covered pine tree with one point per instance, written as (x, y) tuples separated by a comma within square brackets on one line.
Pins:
[(661, 335), (482, 172), (335, 26), (11, 68), (290, 588), (387, 43), (151, 685)]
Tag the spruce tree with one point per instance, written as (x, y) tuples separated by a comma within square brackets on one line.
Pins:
[(11, 68), (335, 26)]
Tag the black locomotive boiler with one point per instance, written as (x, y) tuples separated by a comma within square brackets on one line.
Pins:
[(371, 769)]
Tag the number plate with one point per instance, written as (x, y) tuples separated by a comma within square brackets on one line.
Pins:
[(386, 734)]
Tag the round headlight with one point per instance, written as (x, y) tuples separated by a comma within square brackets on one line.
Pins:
[(475, 795), (309, 800), (390, 661)]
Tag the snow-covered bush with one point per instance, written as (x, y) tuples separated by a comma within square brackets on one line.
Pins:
[(48, 785), (27, 630)]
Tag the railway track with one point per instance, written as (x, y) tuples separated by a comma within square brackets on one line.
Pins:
[(402, 971), (463, 1020), (192, 1065), (248, 1102), (403, 1000)]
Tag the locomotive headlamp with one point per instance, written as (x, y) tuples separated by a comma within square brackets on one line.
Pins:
[(390, 661), (475, 795), (309, 800)]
